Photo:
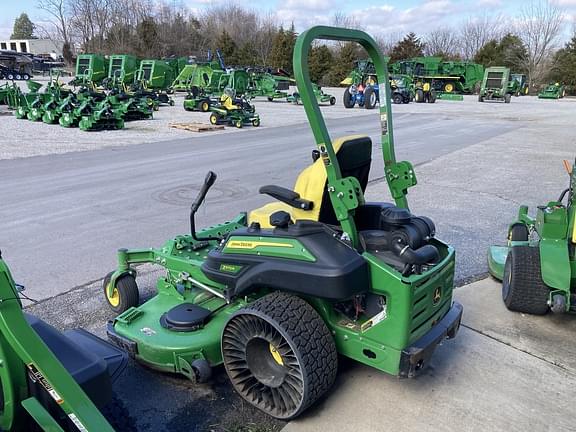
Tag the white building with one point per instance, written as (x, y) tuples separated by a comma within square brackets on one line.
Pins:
[(33, 46)]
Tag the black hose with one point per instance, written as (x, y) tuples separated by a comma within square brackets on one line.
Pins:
[(563, 194), (423, 255)]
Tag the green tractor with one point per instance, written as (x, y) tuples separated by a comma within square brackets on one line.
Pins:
[(424, 90), (198, 100), (518, 85), (403, 90), (234, 111), (538, 266), (277, 293), (552, 91), (51, 381), (495, 85)]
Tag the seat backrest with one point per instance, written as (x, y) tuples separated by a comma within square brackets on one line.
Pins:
[(354, 155)]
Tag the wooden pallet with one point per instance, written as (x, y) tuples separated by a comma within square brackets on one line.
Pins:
[(196, 127)]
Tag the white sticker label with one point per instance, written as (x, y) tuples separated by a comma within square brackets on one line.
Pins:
[(77, 422)]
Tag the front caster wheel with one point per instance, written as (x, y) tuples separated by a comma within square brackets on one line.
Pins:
[(124, 295), (279, 355)]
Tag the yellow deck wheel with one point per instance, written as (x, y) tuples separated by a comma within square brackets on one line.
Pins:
[(449, 87), (124, 295)]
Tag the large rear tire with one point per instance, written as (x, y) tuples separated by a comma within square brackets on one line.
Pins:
[(419, 96), (348, 100), (279, 355), (522, 287), (370, 98)]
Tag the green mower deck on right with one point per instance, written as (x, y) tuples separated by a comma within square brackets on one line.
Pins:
[(538, 265)]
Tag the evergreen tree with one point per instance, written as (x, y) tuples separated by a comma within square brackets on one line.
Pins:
[(343, 64), (513, 53), (147, 37), (247, 55), (509, 52), (319, 63), (564, 65), (23, 28), (409, 47), (489, 55), (283, 49), (227, 47)]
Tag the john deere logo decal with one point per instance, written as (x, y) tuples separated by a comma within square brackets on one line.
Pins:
[(437, 296)]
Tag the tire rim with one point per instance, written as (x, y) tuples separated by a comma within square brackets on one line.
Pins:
[(373, 99), (113, 299), (262, 365), (449, 88)]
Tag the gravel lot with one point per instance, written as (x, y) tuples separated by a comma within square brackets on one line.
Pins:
[(16, 135), (20, 138)]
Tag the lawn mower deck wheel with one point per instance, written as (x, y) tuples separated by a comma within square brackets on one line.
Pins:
[(522, 287), (279, 354), (125, 294)]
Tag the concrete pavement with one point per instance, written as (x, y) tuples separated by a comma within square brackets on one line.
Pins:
[(504, 372), (64, 216)]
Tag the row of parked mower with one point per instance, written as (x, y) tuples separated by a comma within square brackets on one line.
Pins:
[(86, 108)]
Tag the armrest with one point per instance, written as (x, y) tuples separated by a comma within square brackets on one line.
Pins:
[(287, 196)]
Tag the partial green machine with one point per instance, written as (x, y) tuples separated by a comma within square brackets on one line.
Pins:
[(275, 294), (537, 267), (495, 85), (121, 70), (518, 85), (51, 381), (91, 69), (552, 91), (446, 77)]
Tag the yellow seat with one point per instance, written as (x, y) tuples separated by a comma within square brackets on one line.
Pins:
[(311, 185), (228, 102)]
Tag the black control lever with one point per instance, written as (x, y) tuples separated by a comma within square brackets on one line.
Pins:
[(208, 182)]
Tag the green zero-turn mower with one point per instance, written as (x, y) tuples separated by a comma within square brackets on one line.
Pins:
[(51, 381), (552, 91), (538, 266), (275, 295), (234, 111)]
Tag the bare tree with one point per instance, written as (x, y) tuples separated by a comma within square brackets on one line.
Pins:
[(442, 41), (538, 26), (58, 13), (340, 19), (268, 26), (477, 31)]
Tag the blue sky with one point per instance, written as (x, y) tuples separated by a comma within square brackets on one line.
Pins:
[(377, 17)]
